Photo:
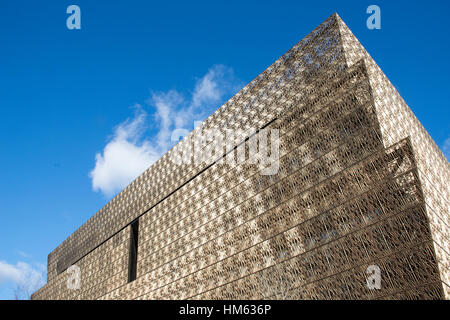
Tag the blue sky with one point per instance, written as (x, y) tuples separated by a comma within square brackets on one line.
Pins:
[(77, 104)]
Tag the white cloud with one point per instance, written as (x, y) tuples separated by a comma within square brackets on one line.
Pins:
[(131, 150), (24, 254), (213, 86), (166, 115), (446, 148), (124, 157), (26, 278)]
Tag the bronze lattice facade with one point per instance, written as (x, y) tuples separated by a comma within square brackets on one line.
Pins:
[(360, 183)]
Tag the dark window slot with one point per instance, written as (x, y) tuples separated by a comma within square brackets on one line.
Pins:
[(133, 251)]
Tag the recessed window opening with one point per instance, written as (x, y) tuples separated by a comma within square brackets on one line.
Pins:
[(133, 251)]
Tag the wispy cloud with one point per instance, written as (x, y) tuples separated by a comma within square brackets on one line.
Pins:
[(24, 277), (141, 140), (446, 148), (124, 157), (24, 254)]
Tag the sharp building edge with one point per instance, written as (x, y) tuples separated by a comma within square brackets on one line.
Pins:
[(361, 192)]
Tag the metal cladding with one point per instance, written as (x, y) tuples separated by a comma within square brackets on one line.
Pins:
[(360, 183)]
